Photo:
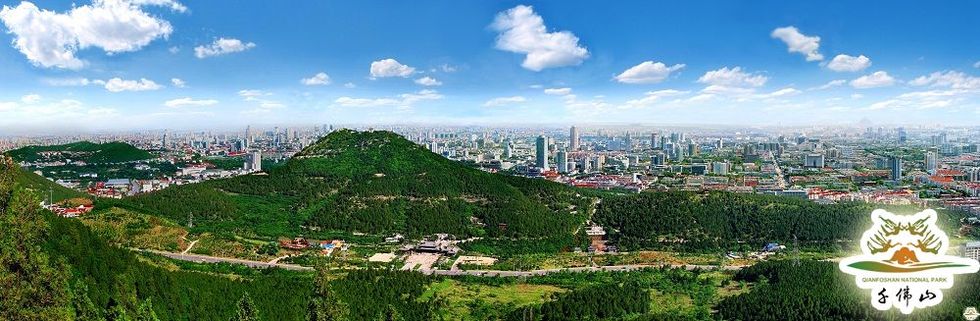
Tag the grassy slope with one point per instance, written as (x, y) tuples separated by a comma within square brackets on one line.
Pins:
[(112, 152)]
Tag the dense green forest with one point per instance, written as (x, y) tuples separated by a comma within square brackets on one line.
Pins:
[(42, 186), (713, 221), (56, 269), (89, 152), (374, 182), (815, 290)]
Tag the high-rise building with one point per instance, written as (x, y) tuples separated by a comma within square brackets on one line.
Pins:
[(508, 149), (574, 138), (932, 161), (654, 140), (585, 166), (902, 135), (658, 158), (895, 165), (253, 161), (628, 143), (541, 157), (561, 159), (719, 168), (814, 161)]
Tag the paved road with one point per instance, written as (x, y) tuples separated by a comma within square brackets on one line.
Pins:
[(612, 268), (486, 273), (213, 259)]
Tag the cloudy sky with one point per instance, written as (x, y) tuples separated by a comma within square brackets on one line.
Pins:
[(120, 64)]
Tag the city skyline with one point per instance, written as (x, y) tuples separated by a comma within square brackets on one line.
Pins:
[(198, 65)]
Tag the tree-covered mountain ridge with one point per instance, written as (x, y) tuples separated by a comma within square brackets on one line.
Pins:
[(89, 152), (373, 182)]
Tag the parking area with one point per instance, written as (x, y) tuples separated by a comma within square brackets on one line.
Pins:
[(420, 261)]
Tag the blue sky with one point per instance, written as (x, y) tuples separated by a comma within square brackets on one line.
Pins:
[(120, 64)]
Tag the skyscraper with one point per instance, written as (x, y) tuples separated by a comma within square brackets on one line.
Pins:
[(561, 159), (932, 161), (628, 142), (574, 138), (508, 149), (253, 161), (814, 161), (895, 164), (654, 140), (541, 159)]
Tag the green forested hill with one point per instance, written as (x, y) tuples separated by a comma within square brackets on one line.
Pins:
[(720, 220), (373, 182), (42, 186), (89, 152)]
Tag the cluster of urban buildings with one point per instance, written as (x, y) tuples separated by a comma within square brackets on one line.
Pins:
[(893, 165)]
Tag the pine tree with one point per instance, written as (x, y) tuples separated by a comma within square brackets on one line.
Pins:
[(325, 306), (390, 314), (246, 310), (145, 312), (31, 286)]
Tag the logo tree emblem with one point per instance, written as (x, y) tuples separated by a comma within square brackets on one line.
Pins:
[(904, 261)]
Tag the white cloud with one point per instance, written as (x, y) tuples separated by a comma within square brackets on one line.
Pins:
[(177, 82), (976, 64), (447, 68), (143, 84), (785, 92), (222, 46), (366, 102), (174, 5), (501, 101), (809, 46), (647, 72), (523, 31), (733, 77), (403, 100), (949, 78), (727, 90), (350, 85), (425, 94), (7, 106), (831, 84), (849, 63), (30, 98), (390, 68), (320, 79), (256, 96), (72, 82), (653, 97), (190, 102), (428, 81), (558, 91), (252, 93), (874, 80), (51, 39), (925, 99)]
